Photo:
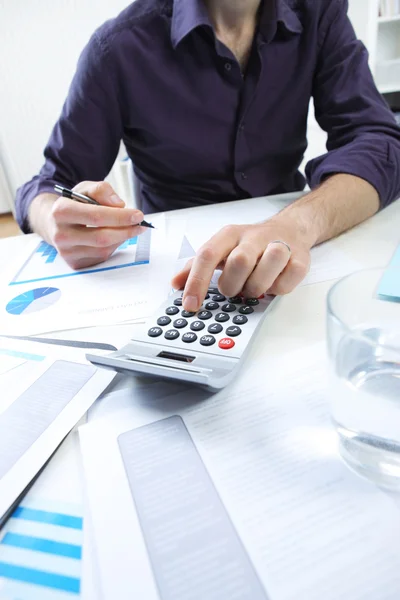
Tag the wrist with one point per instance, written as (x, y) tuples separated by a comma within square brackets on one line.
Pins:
[(39, 215), (299, 219)]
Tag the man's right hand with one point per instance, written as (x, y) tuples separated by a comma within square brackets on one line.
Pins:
[(85, 234)]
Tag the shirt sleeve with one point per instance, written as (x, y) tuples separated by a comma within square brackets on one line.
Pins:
[(363, 137), (85, 141)]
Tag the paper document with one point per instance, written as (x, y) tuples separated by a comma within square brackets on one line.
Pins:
[(41, 551), (40, 402), (42, 293), (199, 496)]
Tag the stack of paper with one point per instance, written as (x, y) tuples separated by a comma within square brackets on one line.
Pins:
[(41, 400), (241, 494)]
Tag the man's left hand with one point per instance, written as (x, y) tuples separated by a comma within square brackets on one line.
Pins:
[(253, 260)]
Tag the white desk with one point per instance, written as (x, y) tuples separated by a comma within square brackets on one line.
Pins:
[(298, 319)]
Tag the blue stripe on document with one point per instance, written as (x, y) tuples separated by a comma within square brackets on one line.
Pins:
[(23, 355), (42, 545), (33, 576), (42, 516)]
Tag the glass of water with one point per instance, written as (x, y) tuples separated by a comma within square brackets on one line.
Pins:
[(364, 355)]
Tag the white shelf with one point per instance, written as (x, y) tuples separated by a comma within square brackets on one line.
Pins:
[(394, 19)]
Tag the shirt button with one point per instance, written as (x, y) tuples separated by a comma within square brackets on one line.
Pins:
[(228, 66), (243, 175)]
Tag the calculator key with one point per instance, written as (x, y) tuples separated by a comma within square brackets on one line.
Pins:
[(219, 298), (235, 300), (207, 297), (172, 310), (163, 321), (154, 331), (197, 326), (186, 313), (212, 306), (213, 290), (178, 301), (233, 331), (189, 337), (246, 310), (180, 323), (204, 315), (252, 301), (226, 343), (214, 328), (171, 334), (240, 319), (207, 340), (222, 317), (228, 307)]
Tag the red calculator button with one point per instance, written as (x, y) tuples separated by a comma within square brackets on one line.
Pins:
[(226, 343), (261, 297)]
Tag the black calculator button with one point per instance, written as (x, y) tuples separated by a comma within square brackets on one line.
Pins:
[(171, 334), (222, 317), (233, 331), (154, 331), (213, 290), (197, 326), (214, 328), (178, 301), (252, 301), (189, 337), (207, 297), (163, 321), (207, 340), (228, 307), (235, 300), (246, 310), (204, 315), (240, 319), (212, 306), (186, 313), (219, 298), (172, 310), (180, 323)]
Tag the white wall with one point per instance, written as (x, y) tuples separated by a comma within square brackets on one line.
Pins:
[(40, 41)]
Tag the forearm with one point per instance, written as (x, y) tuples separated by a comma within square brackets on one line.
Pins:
[(39, 212), (337, 205)]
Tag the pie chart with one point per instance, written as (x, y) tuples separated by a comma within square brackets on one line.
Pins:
[(33, 301)]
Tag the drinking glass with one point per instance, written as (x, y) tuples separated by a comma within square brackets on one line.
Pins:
[(364, 354)]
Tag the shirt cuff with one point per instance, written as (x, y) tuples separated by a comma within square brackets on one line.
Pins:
[(365, 159), (25, 196)]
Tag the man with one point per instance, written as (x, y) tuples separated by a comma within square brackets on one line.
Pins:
[(211, 98)]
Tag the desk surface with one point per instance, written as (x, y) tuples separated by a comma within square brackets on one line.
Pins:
[(298, 319)]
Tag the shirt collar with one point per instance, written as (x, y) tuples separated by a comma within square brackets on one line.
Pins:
[(189, 14), (275, 12), (186, 16)]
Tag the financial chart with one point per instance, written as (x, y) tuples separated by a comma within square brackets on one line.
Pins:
[(45, 263)]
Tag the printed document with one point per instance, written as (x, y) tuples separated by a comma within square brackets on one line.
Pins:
[(240, 494)]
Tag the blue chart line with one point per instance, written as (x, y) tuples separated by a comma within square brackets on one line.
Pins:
[(40, 555), (45, 264)]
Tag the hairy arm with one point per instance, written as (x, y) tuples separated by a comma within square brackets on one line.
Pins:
[(338, 204)]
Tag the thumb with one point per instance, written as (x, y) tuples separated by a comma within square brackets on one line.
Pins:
[(101, 191), (179, 280)]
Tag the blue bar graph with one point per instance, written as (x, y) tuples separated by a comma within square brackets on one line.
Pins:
[(41, 553)]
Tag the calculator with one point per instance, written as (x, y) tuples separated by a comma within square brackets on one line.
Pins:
[(205, 347)]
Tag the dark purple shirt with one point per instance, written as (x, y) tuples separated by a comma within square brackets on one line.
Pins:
[(197, 131)]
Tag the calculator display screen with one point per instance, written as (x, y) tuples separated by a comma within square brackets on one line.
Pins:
[(172, 356)]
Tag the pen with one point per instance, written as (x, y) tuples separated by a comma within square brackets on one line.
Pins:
[(66, 193)]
